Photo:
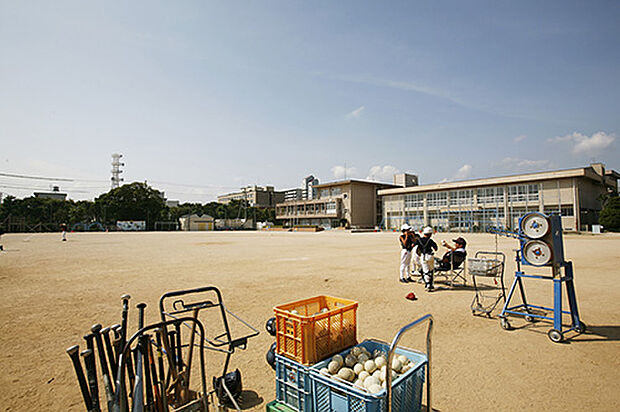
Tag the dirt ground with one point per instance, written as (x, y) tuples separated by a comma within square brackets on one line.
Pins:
[(54, 291)]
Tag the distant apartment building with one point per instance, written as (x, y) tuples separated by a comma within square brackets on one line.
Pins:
[(474, 205), (351, 203), (256, 196)]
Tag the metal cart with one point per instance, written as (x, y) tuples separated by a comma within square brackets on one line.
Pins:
[(488, 266), (208, 301)]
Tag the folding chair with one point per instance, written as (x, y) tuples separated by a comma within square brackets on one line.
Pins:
[(453, 272)]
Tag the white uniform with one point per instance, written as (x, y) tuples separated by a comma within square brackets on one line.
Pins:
[(417, 261), (405, 264)]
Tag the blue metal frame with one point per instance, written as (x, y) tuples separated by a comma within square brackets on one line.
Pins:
[(523, 308)]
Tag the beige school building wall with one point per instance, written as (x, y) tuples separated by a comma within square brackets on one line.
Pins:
[(474, 205), (349, 202)]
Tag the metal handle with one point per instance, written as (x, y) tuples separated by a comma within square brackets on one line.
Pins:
[(388, 373)]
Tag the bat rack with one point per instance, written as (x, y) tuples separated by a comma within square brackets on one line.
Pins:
[(173, 305), (531, 312)]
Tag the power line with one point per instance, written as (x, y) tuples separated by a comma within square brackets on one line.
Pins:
[(62, 179), (40, 188)]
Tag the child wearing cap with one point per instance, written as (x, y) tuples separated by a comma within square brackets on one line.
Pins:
[(426, 248), (406, 241)]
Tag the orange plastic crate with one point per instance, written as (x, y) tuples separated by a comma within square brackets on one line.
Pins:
[(309, 336)]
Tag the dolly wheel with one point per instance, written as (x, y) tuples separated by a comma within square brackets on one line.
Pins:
[(581, 328), (529, 318), (505, 324), (555, 335)]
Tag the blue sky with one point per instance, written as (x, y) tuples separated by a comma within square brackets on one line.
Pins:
[(204, 97)]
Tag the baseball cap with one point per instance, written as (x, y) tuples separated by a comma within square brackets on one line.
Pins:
[(460, 241)]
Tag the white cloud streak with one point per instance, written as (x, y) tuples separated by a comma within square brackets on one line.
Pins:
[(522, 165), (463, 173), (356, 113), (382, 173), (520, 138), (582, 144), (340, 172)]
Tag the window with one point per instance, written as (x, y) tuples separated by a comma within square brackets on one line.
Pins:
[(324, 193), (437, 199), (336, 191), (461, 197), (494, 195), (330, 208), (412, 201), (532, 192), (566, 210)]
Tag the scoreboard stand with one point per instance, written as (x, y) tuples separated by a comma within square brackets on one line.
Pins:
[(540, 238)]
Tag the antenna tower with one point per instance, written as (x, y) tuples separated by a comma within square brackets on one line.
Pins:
[(116, 170)]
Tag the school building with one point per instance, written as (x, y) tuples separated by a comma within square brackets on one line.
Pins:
[(475, 205), (346, 203), (255, 196)]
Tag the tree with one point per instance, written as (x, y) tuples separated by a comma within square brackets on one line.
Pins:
[(610, 215), (135, 201)]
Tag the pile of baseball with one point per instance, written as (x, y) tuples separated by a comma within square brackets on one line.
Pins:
[(364, 370)]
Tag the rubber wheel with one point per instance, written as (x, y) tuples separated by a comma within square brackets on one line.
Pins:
[(505, 324), (555, 335), (529, 318), (581, 328)]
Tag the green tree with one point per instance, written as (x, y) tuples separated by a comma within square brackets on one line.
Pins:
[(135, 201), (610, 215)]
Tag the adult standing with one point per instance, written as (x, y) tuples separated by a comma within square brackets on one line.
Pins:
[(426, 248), (406, 242)]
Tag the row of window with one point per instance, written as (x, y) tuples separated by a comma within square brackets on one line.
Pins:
[(516, 193), (327, 192)]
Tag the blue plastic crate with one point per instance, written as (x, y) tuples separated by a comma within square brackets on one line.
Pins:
[(333, 396), (293, 386)]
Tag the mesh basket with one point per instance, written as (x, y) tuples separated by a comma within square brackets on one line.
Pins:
[(310, 330), (484, 267)]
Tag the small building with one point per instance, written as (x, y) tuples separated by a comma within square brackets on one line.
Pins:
[(255, 196), (54, 194), (349, 203), (197, 222)]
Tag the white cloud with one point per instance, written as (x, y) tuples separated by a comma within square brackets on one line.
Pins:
[(356, 113), (339, 172), (382, 173), (520, 138), (583, 144), (463, 173), (516, 164)]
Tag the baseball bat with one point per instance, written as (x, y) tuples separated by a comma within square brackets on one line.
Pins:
[(170, 355), (125, 299), (172, 342), (162, 373), (138, 392), (75, 358), (107, 384), (154, 381), (188, 367), (108, 345), (91, 373), (116, 345), (89, 341), (147, 372), (179, 348)]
